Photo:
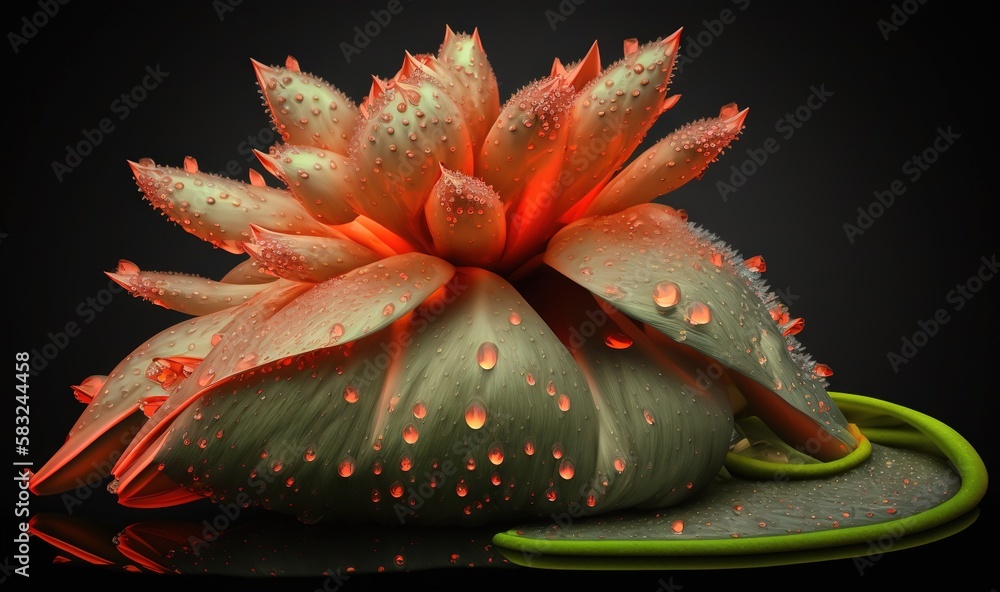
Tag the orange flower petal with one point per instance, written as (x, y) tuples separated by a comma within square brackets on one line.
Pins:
[(220, 210), (312, 175), (466, 220), (306, 258), (673, 161), (305, 109)]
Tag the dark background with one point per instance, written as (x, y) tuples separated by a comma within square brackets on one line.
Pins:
[(859, 300)]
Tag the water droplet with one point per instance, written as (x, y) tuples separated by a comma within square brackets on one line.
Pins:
[(419, 410), (514, 318), (396, 489), (649, 416), (398, 560), (376, 496), (495, 478), (620, 464), (388, 309), (461, 489), (591, 499), (822, 370), (346, 467), (410, 434), (475, 415), (496, 453), (566, 470), (563, 402), (551, 494), (529, 446), (405, 463), (618, 341), (698, 313), (487, 355), (310, 455), (666, 295), (276, 467), (557, 451), (550, 388), (290, 481), (202, 443), (530, 378), (336, 331), (677, 526), (351, 394)]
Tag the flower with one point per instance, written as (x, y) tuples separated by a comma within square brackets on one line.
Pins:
[(458, 310)]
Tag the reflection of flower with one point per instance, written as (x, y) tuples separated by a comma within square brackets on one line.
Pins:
[(458, 311)]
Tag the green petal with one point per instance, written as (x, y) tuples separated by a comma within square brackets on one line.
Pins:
[(649, 263), (433, 420), (663, 436), (306, 110), (314, 177)]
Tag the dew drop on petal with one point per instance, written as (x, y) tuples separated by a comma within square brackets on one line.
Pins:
[(410, 434), (563, 402), (551, 494), (618, 341), (529, 446), (388, 309), (698, 313), (475, 415), (461, 489), (666, 295), (557, 451), (346, 467), (677, 526), (351, 394), (396, 489), (620, 464), (531, 379), (336, 331), (310, 455), (514, 318), (419, 410), (550, 388), (646, 413), (487, 355), (496, 453), (566, 469)]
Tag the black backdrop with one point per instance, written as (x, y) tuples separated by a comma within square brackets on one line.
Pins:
[(890, 91)]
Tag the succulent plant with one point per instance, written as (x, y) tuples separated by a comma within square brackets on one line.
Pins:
[(456, 311)]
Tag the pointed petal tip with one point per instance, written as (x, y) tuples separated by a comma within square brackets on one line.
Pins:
[(120, 279), (734, 119), (292, 64)]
